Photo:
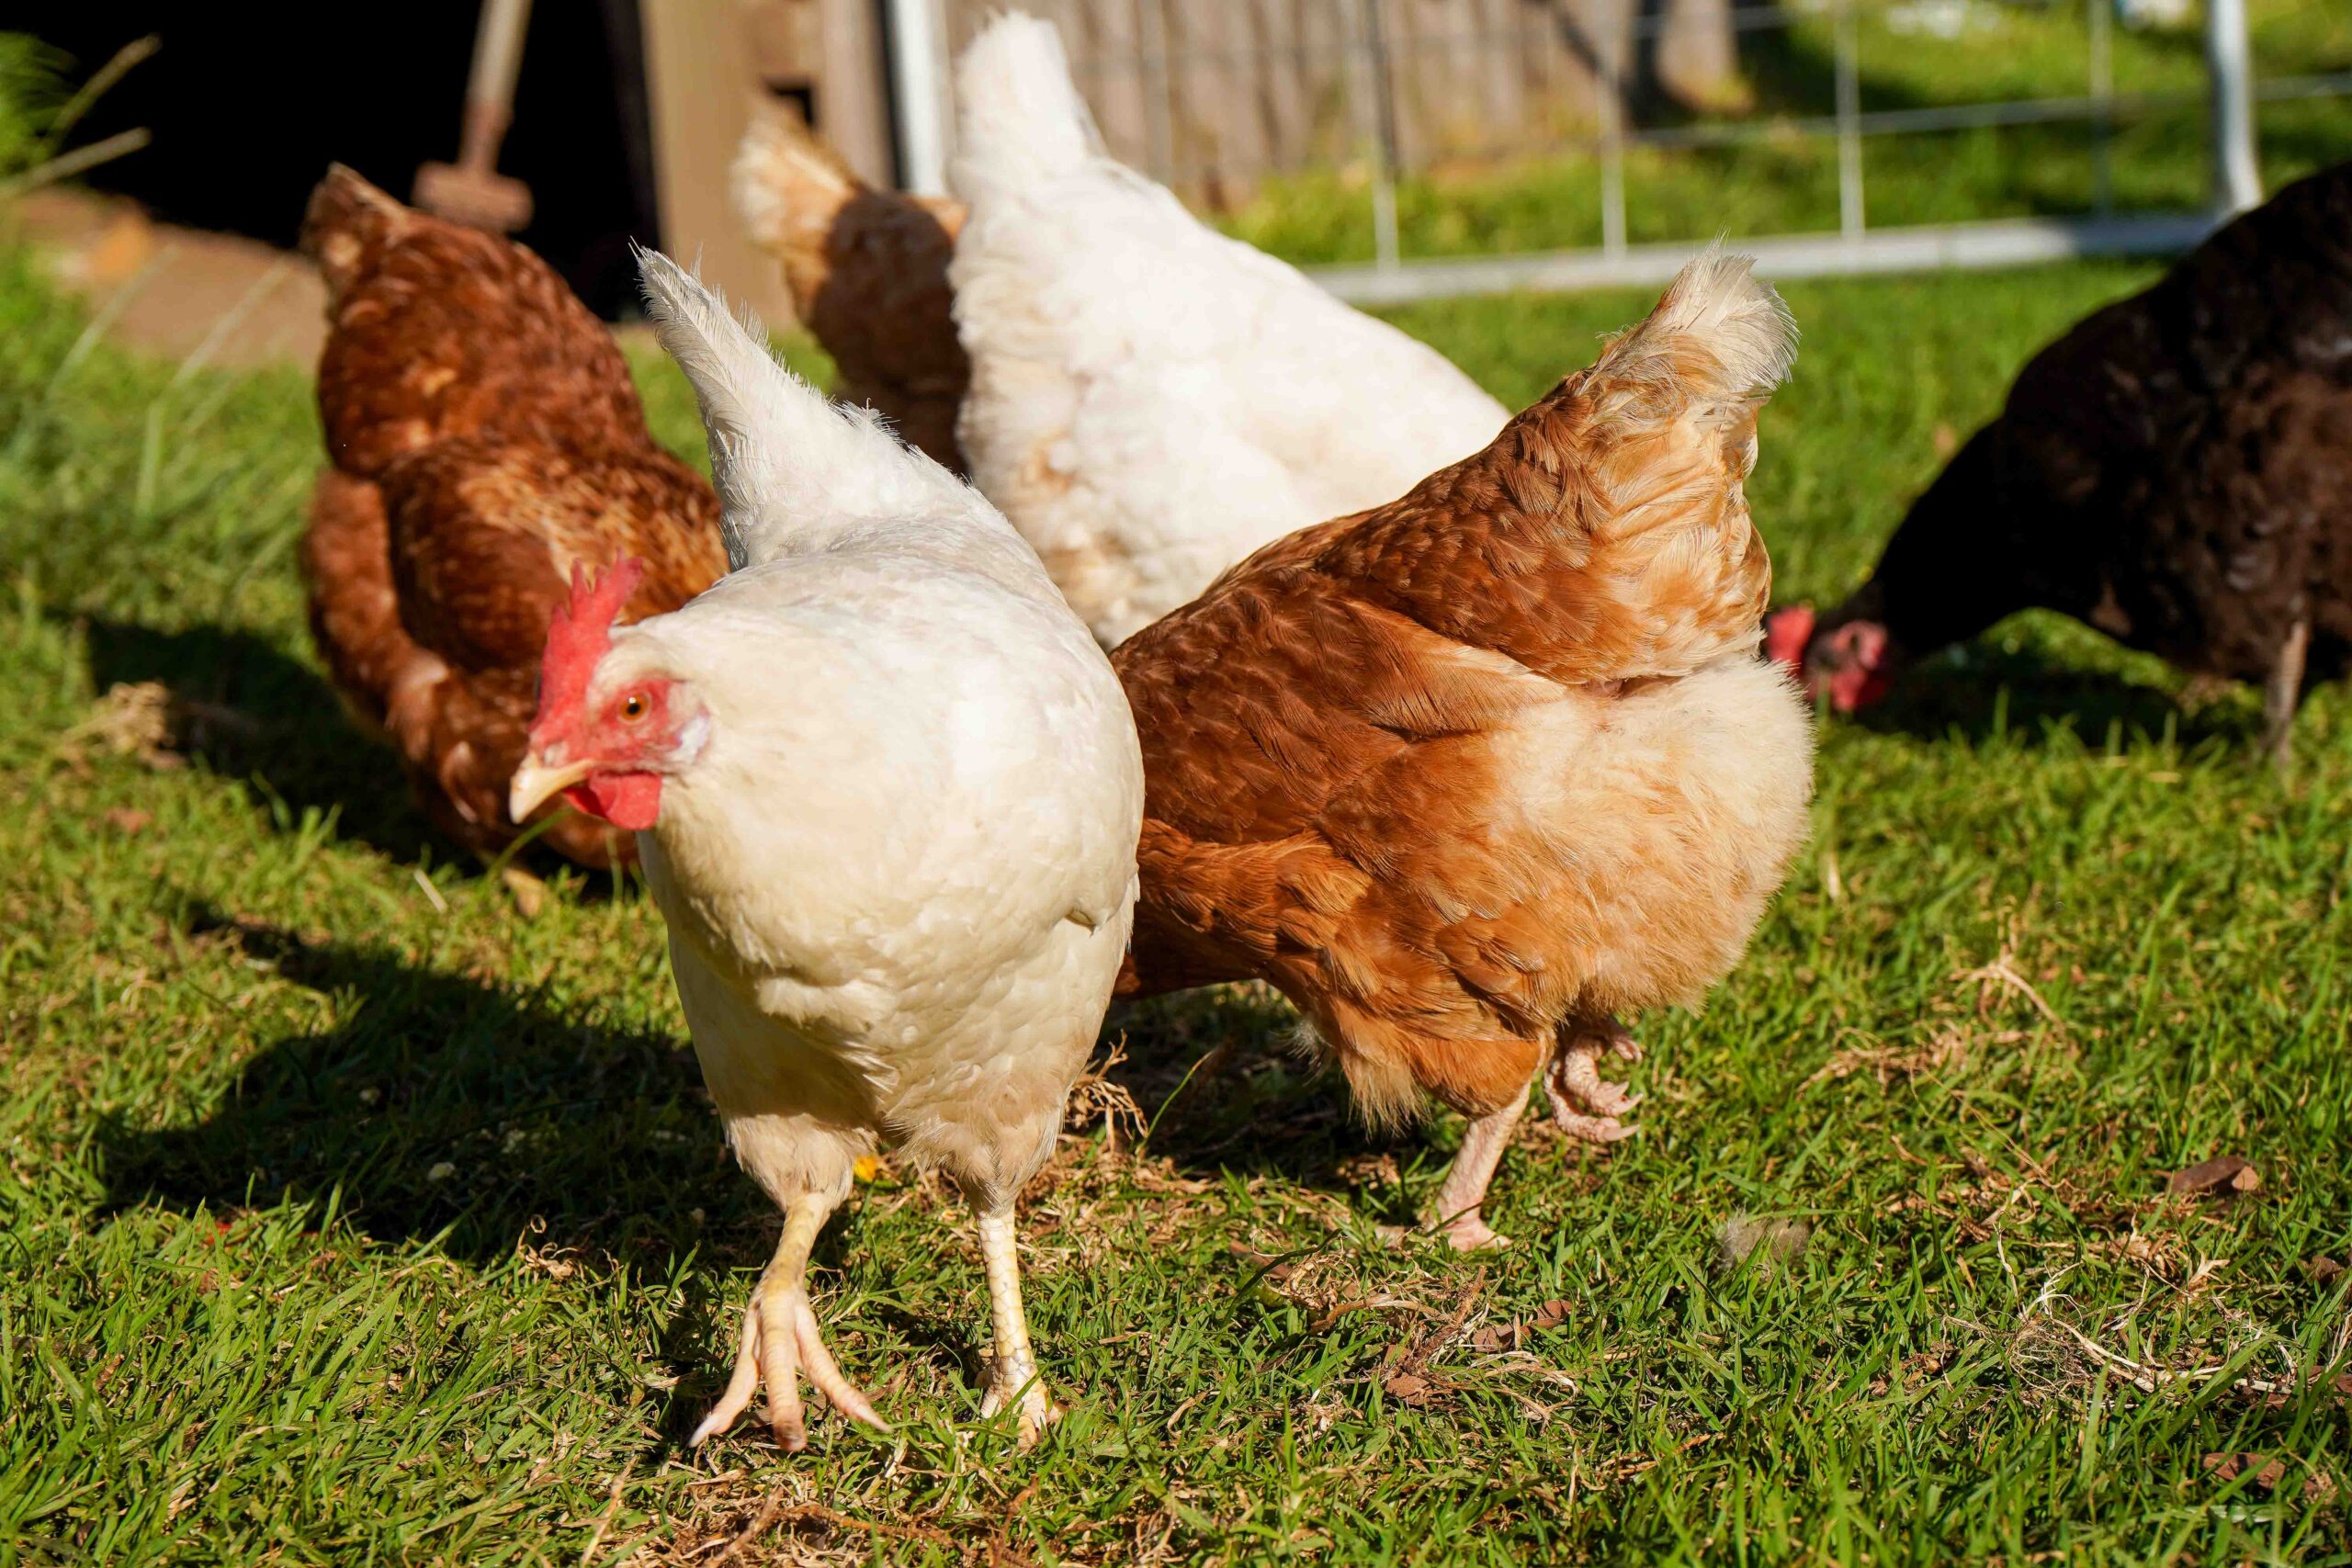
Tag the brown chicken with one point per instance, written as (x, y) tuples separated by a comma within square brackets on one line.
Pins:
[(484, 439), (1470, 776), (2175, 471), (868, 274)]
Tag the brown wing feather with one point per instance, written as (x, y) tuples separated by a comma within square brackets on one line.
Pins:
[(1336, 798), (438, 329), (486, 437)]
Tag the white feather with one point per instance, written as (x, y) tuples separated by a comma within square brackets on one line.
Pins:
[(1151, 400), (791, 468), (898, 871)]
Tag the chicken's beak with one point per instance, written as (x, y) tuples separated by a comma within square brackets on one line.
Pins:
[(535, 781)]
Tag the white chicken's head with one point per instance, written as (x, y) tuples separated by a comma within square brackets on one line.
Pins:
[(609, 727)]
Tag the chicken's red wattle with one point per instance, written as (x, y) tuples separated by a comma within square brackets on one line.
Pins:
[(631, 801)]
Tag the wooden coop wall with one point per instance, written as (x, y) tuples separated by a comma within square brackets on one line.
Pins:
[(1208, 95)]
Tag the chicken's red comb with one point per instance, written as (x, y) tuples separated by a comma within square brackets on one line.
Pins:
[(578, 634), (1786, 635)]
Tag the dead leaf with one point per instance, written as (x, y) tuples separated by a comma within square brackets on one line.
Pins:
[(1409, 1388), (530, 894), (1264, 1262), (132, 719), (2217, 1178), (1098, 1101), (1949, 1048), (1772, 1243), (1511, 1336), (128, 819), (2269, 1474), (2322, 1268), (2266, 1473)]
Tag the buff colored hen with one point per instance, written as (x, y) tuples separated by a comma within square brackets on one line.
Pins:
[(1472, 776)]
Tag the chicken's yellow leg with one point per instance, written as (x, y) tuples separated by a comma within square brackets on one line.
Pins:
[(1013, 1375), (780, 1341)]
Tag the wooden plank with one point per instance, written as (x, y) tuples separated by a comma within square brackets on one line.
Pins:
[(1211, 95), (702, 81), (852, 110)]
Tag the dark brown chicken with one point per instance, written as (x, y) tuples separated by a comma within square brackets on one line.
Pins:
[(868, 274), (1469, 776), (2176, 473), (484, 439)]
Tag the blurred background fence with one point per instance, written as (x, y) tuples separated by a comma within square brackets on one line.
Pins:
[(1428, 147), (1401, 148)]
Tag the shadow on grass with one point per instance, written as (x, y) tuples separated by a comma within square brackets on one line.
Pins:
[(466, 1116), (1217, 1075), (446, 1108), (449, 1110), (254, 715), (2028, 699)]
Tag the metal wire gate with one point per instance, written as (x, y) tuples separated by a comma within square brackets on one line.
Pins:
[(1212, 96)]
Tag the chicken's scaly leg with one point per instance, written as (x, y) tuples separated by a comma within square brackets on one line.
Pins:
[(780, 1342), (1012, 1371), (1455, 1209), (1584, 1104), (2283, 694)]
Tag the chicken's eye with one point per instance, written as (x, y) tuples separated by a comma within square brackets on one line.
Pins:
[(633, 707)]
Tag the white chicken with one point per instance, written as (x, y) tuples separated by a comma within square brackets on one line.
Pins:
[(1150, 401), (887, 793)]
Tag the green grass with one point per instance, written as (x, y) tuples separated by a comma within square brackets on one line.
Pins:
[(348, 1215), (2156, 158)]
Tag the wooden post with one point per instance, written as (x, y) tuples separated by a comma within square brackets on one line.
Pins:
[(851, 113), (702, 84)]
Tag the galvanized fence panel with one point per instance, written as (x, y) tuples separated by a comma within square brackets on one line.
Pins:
[(1215, 97)]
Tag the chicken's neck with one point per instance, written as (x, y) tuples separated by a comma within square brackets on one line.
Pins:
[(1973, 551)]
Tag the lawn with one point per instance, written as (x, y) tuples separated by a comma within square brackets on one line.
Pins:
[(2154, 157), (348, 1213)]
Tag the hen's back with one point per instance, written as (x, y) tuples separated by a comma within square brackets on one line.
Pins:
[(438, 329), (1503, 742), (2195, 441), (1151, 399)]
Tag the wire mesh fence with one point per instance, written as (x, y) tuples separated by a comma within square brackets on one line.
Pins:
[(1419, 147)]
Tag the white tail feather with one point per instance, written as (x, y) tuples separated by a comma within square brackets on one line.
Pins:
[(791, 468), (1019, 117)]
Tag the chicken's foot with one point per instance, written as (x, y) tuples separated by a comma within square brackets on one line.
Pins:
[(1454, 1212), (1013, 1366), (1584, 1104), (781, 1341)]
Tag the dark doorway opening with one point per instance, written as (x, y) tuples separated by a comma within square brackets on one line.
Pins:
[(250, 103)]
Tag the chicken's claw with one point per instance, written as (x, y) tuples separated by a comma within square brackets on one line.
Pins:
[(780, 1345), (1584, 1104), (1038, 1410)]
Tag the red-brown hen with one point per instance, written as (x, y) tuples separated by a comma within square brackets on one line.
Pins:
[(1469, 776), (483, 439)]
